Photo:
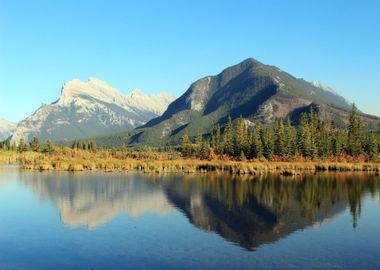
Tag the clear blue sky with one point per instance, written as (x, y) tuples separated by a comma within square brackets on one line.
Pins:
[(166, 45)]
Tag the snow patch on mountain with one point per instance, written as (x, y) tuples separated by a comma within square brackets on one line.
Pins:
[(88, 109), (324, 87)]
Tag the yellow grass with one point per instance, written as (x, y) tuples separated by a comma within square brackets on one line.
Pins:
[(74, 160)]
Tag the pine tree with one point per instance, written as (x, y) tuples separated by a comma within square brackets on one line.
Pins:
[(304, 137), (186, 147), (227, 142), (279, 138), (324, 140), (22, 146), (338, 142), (257, 144), (14, 147), (268, 143), (6, 145), (314, 126), (93, 146), (205, 150), (290, 139), (355, 133), (35, 145), (371, 146), (198, 143), (49, 147), (241, 137), (74, 145), (215, 139)]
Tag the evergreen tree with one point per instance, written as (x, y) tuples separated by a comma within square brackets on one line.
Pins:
[(215, 138), (279, 138), (186, 147), (198, 143), (324, 140), (355, 133), (6, 145), (268, 143), (290, 139), (93, 146), (74, 145), (49, 147), (14, 147), (227, 142), (22, 146), (314, 126), (205, 150), (338, 142), (35, 145), (241, 137), (257, 144), (304, 137), (371, 146)]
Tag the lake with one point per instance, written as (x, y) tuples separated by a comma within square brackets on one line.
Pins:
[(94, 220)]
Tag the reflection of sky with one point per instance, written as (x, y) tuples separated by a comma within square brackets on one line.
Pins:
[(32, 234)]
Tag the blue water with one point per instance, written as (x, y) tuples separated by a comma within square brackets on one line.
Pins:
[(134, 221)]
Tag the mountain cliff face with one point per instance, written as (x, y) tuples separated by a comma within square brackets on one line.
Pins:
[(6, 128), (258, 92), (87, 109)]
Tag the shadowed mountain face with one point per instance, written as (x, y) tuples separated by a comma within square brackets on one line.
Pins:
[(247, 212), (258, 92)]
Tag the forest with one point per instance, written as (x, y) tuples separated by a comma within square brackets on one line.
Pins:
[(312, 139)]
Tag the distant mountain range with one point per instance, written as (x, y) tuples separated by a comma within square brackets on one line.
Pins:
[(257, 92), (6, 128), (92, 108)]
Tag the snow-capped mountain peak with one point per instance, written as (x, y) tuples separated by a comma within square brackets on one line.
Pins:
[(93, 88), (91, 108)]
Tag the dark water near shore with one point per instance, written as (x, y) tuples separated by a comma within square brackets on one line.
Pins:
[(133, 221)]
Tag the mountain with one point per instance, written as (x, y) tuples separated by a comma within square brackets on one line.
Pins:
[(258, 92), (92, 108), (6, 128)]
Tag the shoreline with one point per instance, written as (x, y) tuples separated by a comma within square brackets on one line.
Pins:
[(204, 167), (93, 162)]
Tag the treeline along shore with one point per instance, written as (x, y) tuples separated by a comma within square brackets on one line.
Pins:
[(313, 145), (170, 162)]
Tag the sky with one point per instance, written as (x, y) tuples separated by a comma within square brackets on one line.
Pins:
[(168, 44)]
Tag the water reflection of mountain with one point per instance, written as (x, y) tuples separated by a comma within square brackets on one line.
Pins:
[(253, 213), (94, 199), (249, 213)]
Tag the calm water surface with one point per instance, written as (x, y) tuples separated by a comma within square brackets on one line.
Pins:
[(135, 221)]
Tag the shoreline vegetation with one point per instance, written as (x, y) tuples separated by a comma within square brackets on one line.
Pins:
[(312, 146), (171, 162)]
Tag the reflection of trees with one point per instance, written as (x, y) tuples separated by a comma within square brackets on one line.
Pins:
[(249, 212), (263, 209)]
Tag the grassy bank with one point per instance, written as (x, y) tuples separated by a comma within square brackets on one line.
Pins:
[(153, 162)]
